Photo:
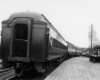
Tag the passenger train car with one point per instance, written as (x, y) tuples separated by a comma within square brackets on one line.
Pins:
[(29, 40), (73, 51)]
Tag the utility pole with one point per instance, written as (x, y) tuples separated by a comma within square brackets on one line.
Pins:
[(91, 36)]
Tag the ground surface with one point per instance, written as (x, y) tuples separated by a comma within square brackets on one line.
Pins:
[(78, 68)]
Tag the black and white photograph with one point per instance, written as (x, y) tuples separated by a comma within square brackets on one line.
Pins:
[(49, 39)]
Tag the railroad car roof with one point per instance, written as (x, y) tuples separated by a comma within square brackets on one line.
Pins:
[(35, 16)]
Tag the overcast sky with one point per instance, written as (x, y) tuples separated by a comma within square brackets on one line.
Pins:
[(72, 18)]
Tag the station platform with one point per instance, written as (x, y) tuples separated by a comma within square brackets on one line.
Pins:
[(78, 68)]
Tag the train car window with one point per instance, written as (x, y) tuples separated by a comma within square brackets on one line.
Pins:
[(21, 31), (57, 44)]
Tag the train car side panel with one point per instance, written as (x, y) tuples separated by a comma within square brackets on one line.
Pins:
[(6, 40), (72, 51), (38, 43), (57, 46)]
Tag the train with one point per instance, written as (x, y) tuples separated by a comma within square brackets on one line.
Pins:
[(30, 42)]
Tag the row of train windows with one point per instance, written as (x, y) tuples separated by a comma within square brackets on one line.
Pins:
[(57, 44)]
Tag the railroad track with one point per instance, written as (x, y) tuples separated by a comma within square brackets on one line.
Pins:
[(7, 74)]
